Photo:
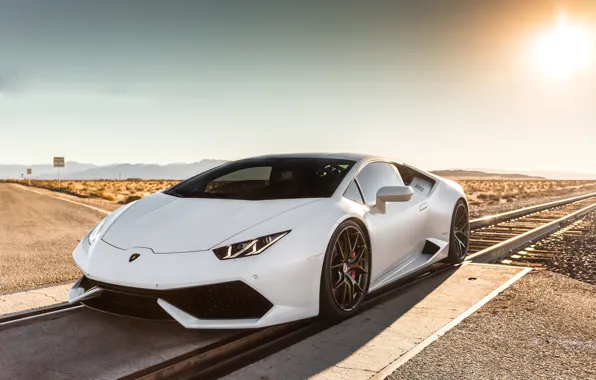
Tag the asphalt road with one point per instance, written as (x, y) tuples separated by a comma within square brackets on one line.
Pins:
[(37, 236)]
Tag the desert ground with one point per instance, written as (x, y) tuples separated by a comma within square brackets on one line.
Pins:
[(487, 197), (118, 191)]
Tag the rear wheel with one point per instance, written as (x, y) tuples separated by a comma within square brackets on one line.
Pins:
[(459, 238), (345, 276)]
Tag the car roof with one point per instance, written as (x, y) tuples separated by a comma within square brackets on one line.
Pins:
[(344, 156)]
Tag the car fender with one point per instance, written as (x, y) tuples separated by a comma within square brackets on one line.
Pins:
[(442, 202)]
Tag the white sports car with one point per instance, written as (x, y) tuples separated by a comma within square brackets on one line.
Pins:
[(271, 239)]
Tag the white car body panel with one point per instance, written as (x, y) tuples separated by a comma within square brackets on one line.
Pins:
[(394, 248), (174, 237), (225, 218)]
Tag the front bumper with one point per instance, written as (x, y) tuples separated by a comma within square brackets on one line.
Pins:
[(198, 290), (230, 300)]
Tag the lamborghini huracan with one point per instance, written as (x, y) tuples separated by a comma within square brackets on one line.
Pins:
[(271, 239)]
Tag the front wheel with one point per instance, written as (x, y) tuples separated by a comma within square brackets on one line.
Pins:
[(345, 276), (459, 238)]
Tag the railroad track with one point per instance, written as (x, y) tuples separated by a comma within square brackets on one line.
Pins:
[(537, 255), (482, 238), (498, 238)]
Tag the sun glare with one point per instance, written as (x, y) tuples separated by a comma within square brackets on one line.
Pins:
[(563, 50)]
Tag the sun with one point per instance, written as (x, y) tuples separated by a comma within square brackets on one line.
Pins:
[(563, 50)]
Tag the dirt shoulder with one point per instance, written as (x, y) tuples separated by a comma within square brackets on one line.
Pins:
[(94, 202), (543, 326), (37, 236)]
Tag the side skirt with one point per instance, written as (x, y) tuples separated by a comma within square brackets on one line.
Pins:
[(416, 262)]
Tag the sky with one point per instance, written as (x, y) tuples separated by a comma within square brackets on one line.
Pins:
[(438, 84)]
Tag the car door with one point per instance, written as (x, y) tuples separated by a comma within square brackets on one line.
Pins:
[(396, 234)]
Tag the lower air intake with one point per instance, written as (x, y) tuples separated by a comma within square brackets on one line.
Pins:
[(228, 300)]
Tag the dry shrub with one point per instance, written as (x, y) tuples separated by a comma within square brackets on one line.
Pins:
[(491, 191), (103, 195), (108, 197)]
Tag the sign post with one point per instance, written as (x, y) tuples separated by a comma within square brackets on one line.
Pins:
[(58, 163), (29, 172)]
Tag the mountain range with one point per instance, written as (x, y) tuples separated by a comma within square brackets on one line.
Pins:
[(478, 174), (77, 170), (549, 174)]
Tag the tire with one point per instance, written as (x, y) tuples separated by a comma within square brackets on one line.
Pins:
[(459, 235), (346, 266)]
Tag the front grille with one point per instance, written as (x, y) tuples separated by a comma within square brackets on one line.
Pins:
[(144, 307), (228, 300)]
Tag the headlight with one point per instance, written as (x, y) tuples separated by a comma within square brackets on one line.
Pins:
[(106, 222), (97, 231), (249, 247)]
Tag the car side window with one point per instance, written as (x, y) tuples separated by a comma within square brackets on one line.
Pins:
[(396, 170), (376, 175), (353, 193)]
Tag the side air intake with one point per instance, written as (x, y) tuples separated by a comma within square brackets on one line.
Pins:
[(430, 248)]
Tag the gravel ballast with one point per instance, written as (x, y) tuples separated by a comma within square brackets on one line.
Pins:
[(542, 327), (577, 257)]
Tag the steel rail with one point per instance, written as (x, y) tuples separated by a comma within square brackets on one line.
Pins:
[(33, 312), (36, 315), (505, 216), (507, 247)]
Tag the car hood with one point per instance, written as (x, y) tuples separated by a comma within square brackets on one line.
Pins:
[(168, 224)]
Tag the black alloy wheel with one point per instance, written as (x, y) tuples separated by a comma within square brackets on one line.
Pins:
[(460, 233), (346, 271)]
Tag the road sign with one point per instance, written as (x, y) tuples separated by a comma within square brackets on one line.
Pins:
[(58, 162), (29, 171)]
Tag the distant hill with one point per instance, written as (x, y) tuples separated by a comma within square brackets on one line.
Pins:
[(15, 171), (548, 174), (552, 174), (75, 170), (146, 171), (476, 174)]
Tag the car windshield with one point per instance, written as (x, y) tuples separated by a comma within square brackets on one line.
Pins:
[(267, 178)]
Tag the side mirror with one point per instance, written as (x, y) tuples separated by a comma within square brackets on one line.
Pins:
[(392, 194)]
